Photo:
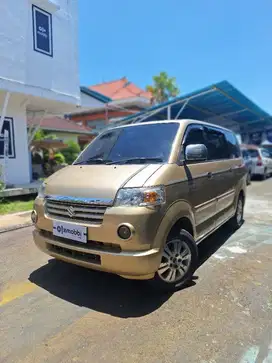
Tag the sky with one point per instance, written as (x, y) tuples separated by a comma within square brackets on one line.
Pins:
[(199, 42)]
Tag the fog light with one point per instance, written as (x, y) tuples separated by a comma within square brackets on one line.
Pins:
[(124, 232), (34, 216)]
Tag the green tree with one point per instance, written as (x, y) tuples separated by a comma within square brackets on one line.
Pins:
[(71, 152), (39, 135), (163, 87)]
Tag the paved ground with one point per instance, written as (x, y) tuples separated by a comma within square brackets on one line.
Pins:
[(57, 313)]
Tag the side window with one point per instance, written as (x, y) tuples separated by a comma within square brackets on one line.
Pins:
[(194, 135), (265, 153), (233, 145), (216, 144)]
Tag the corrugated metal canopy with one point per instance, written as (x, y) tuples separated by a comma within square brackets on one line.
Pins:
[(219, 103)]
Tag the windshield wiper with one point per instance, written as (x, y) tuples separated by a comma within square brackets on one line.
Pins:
[(139, 159), (93, 161)]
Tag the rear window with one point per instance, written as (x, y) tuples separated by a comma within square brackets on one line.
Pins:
[(253, 153), (245, 154)]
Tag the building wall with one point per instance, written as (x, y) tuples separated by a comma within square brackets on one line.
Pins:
[(18, 167), (21, 66), (89, 102)]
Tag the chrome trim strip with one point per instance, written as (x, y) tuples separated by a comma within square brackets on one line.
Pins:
[(229, 192), (205, 204), (205, 235), (222, 171), (69, 199)]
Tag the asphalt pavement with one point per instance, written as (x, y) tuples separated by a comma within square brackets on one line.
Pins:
[(58, 313)]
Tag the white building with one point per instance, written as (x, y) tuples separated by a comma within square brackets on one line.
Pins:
[(38, 72)]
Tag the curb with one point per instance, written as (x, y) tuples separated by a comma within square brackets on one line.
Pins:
[(18, 213), (15, 227)]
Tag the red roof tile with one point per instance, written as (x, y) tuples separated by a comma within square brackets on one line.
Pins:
[(58, 123), (120, 89)]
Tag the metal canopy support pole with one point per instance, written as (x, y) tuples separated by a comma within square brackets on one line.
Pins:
[(182, 108), (169, 112), (149, 113), (6, 156), (6, 136)]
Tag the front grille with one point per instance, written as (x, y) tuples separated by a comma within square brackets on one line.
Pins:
[(71, 211), (87, 257)]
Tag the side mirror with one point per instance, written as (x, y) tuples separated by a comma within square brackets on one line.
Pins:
[(196, 152)]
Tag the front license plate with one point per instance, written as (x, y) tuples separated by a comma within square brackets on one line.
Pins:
[(70, 231)]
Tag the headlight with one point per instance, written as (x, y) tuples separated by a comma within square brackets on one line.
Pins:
[(41, 191), (141, 197)]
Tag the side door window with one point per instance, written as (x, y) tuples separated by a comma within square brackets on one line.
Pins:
[(193, 135), (216, 144), (233, 146)]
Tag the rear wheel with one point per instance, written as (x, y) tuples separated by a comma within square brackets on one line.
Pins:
[(238, 219), (178, 263), (264, 176), (249, 178)]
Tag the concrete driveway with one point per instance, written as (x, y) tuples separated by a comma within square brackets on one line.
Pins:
[(54, 312)]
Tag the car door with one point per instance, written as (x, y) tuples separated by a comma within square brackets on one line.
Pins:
[(201, 184), (223, 159)]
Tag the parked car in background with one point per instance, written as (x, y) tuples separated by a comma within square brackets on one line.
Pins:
[(262, 161), (248, 162)]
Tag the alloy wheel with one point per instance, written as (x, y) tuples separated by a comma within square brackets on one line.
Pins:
[(239, 212), (176, 259)]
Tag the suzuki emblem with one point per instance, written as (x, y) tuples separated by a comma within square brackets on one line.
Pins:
[(71, 212)]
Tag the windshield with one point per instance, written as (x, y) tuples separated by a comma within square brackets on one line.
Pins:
[(151, 143)]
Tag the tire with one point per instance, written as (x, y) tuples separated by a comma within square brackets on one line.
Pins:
[(248, 178), (178, 264), (264, 176), (238, 219)]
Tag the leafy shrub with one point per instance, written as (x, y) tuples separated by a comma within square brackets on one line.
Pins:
[(71, 152), (59, 158)]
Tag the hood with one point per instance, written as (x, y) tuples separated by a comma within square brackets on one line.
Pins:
[(97, 181)]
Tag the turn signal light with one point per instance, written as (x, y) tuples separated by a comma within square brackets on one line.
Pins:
[(151, 197)]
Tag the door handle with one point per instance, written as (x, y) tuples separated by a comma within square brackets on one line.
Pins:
[(209, 175)]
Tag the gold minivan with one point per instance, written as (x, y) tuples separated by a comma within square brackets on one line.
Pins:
[(140, 198)]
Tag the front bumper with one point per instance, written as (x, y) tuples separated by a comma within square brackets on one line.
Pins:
[(133, 265)]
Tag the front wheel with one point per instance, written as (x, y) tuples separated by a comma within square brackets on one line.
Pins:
[(178, 263)]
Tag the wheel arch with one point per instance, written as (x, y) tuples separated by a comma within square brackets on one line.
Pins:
[(179, 215)]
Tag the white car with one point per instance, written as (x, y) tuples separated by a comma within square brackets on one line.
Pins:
[(262, 161)]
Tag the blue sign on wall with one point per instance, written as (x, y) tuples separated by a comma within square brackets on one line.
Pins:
[(8, 125), (42, 31)]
